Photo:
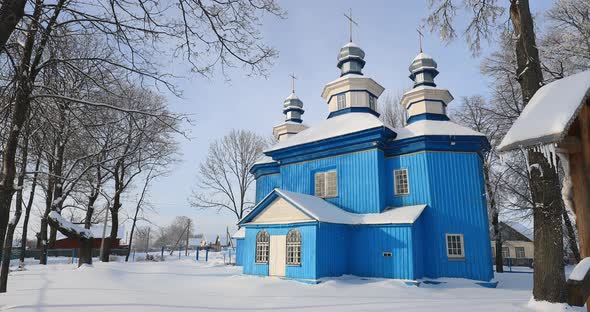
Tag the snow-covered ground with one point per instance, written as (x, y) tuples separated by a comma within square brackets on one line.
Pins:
[(184, 285)]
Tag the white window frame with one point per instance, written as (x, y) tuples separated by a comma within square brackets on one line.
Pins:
[(452, 250), (294, 247), (262, 251), (516, 249), (341, 101), (396, 190), (326, 184), (505, 248)]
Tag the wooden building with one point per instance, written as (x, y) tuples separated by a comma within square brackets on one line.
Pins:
[(556, 121)]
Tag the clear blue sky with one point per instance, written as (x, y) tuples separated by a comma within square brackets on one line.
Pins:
[(308, 42)]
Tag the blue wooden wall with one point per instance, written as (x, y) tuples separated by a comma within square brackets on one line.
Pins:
[(239, 251), (451, 183), (458, 206), (359, 183), (265, 184), (368, 244), (334, 247), (307, 269)]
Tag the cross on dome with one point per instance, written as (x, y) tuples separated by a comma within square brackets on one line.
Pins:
[(350, 22)]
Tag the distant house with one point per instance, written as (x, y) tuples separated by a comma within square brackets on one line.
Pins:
[(517, 245), (63, 242)]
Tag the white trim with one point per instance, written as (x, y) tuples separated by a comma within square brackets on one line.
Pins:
[(395, 182), (461, 242)]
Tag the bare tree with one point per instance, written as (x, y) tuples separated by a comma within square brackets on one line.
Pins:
[(549, 277), (207, 34), (392, 113), (224, 177)]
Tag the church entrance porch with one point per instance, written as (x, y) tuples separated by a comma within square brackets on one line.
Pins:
[(278, 255)]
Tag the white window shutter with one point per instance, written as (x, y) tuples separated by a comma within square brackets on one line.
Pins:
[(331, 184), (320, 184)]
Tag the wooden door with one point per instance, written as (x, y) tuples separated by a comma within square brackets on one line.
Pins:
[(278, 255)]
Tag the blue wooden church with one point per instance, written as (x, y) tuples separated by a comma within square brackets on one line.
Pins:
[(351, 195)]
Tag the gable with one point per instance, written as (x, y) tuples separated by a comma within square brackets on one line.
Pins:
[(280, 211)]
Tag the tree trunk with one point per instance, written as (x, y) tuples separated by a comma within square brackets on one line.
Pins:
[(8, 249), (571, 236), (85, 256), (44, 224), (20, 112), (132, 230), (495, 221), (108, 241), (11, 13), (549, 275), (23, 247), (17, 213)]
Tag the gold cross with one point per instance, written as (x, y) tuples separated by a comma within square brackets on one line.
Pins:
[(350, 22), (292, 75)]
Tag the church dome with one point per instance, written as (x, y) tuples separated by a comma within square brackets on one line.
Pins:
[(292, 101), (350, 50), (423, 70), (351, 59)]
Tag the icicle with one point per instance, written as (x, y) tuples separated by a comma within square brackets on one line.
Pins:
[(567, 191)]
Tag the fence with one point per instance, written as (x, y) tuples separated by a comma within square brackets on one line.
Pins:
[(68, 253)]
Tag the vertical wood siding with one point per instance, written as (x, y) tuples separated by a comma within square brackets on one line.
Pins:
[(265, 184), (451, 184), (458, 206), (239, 251), (359, 188), (307, 269), (369, 242), (334, 246)]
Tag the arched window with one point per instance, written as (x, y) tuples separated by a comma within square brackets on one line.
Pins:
[(262, 246), (294, 247)]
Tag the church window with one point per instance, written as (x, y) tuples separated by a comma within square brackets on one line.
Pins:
[(326, 184), (294, 247), (455, 248), (372, 102), (262, 246), (402, 186), (341, 100)]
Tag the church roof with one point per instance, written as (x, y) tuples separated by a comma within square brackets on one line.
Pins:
[(433, 127), (331, 127), (324, 211), (264, 160), (241, 233), (549, 114)]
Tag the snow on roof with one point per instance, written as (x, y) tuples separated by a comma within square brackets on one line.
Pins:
[(433, 127), (351, 44), (347, 76), (241, 233), (422, 55), (96, 230), (549, 114), (324, 211), (264, 160), (292, 96), (580, 270), (331, 127), (521, 229)]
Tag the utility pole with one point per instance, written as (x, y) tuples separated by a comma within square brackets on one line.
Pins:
[(188, 230), (147, 245)]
